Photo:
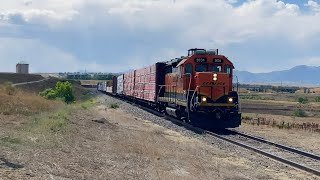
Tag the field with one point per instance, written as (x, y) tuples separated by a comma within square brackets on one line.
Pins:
[(282, 116)]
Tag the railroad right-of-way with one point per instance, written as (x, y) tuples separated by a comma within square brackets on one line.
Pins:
[(290, 156), (294, 157)]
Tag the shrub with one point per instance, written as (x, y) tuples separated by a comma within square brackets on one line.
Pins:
[(62, 90), (114, 105), (299, 113), (49, 94), (318, 99), (303, 100)]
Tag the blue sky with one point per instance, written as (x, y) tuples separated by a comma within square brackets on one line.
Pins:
[(117, 35)]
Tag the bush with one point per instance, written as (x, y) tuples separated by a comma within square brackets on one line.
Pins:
[(49, 94), (114, 106), (303, 100), (318, 99), (299, 113), (62, 90)]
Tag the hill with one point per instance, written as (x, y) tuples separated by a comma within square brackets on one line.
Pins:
[(19, 78), (297, 75)]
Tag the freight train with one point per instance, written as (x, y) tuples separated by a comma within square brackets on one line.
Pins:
[(197, 88)]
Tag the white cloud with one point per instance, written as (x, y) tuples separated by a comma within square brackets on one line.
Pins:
[(313, 5), (145, 31)]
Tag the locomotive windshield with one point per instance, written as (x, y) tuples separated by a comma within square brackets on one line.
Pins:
[(201, 68), (215, 68), (210, 68)]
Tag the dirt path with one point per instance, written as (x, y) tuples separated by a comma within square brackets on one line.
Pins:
[(31, 82), (105, 143)]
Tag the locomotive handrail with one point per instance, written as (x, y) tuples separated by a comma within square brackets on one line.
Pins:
[(188, 93), (159, 92), (161, 86), (238, 93)]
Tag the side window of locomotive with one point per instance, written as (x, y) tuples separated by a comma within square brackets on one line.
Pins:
[(188, 69), (227, 69), (215, 68), (168, 69), (174, 69), (201, 68)]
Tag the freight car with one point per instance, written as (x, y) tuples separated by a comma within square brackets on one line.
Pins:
[(197, 88)]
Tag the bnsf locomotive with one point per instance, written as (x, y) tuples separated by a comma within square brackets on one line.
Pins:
[(197, 88)]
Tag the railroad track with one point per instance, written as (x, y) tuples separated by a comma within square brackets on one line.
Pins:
[(288, 155), (291, 156)]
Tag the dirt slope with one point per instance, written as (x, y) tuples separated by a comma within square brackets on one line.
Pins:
[(19, 78)]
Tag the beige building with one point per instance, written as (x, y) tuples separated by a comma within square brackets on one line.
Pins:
[(22, 68)]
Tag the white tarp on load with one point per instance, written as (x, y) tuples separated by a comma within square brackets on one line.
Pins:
[(120, 84)]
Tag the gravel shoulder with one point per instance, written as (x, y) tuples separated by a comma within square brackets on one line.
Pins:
[(129, 143)]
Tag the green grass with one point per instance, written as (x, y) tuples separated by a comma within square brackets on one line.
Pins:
[(50, 122), (48, 130), (7, 140)]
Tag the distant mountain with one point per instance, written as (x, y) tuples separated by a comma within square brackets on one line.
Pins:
[(297, 75)]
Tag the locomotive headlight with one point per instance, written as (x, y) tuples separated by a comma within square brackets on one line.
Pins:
[(230, 99), (215, 77), (204, 99)]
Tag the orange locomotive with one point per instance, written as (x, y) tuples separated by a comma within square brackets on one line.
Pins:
[(199, 89)]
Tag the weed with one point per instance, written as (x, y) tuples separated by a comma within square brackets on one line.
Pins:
[(9, 89), (317, 99), (114, 106), (50, 122), (7, 140)]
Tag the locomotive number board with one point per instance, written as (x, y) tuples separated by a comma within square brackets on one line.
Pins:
[(200, 60), (217, 60)]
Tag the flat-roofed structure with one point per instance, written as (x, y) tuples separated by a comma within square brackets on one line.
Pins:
[(22, 68)]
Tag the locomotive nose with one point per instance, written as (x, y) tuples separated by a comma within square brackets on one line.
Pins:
[(212, 84)]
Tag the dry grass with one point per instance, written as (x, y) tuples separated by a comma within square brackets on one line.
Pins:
[(282, 122), (18, 102)]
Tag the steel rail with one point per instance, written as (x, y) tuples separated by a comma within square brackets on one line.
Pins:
[(275, 157), (291, 149)]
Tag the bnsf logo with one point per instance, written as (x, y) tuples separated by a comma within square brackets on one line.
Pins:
[(213, 83)]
